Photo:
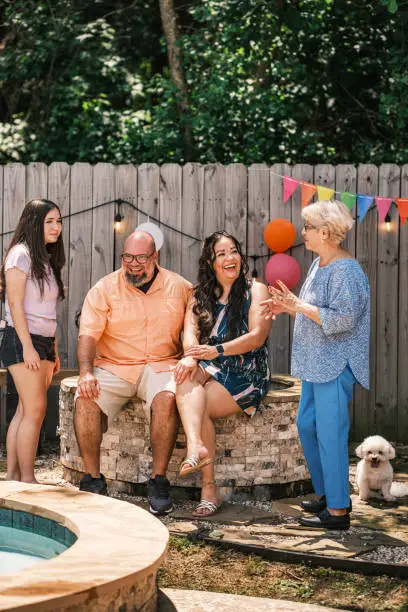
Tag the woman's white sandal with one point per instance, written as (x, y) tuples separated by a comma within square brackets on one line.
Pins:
[(209, 507)]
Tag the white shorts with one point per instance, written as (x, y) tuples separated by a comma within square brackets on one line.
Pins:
[(115, 391)]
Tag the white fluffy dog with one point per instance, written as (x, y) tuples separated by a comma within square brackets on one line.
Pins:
[(374, 471)]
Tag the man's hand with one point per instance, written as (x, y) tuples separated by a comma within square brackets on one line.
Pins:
[(202, 351), (88, 386), (186, 366)]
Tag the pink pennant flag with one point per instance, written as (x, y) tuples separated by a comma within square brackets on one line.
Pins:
[(383, 206), (289, 186)]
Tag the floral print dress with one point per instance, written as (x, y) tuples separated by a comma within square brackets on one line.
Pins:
[(245, 376)]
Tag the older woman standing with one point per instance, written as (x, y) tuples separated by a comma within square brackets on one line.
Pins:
[(330, 353)]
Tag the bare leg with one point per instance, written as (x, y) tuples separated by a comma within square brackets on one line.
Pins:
[(219, 404), (32, 388), (191, 401), (90, 423), (163, 430), (13, 469)]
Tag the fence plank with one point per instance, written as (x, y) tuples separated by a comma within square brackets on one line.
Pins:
[(102, 221), (258, 216), (59, 192), (387, 311), (301, 172), (236, 185), (402, 419), (366, 254), (170, 214), (279, 338), (214, 198), (36, 181), (148, 192), (192, 219), (126, 189), (14, 199), (80, 250), (346, 180)]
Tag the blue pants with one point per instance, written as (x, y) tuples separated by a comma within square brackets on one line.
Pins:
[(323, 424)]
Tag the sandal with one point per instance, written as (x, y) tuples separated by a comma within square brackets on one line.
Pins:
[(209, 508), (193, 464)]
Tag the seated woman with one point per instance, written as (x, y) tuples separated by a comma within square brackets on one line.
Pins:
[(225, 365)]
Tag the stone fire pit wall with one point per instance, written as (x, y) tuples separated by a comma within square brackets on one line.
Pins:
[(257, 457)]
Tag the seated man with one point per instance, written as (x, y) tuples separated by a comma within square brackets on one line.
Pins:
[(129, 344)]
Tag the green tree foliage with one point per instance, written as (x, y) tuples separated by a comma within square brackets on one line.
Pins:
[(269, 80)]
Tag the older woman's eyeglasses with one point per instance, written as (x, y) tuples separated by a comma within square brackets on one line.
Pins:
[(307, 226), (141, 259)]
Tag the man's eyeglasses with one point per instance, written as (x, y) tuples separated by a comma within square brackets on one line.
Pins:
[(141, 259), (308, 227)]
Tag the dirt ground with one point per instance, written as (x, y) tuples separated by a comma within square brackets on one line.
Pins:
[(198, 566)]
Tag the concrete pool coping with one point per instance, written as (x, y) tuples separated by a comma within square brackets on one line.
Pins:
[(119, 546)]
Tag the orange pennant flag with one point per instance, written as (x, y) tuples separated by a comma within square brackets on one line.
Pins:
[(308, 191), (402, 204)]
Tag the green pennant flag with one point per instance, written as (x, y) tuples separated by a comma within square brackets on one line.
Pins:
[(349, 199)]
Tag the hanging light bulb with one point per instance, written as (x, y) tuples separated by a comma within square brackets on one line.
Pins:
[(118, 220), (387, 222)]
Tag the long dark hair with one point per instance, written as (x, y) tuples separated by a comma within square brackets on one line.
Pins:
[(208, 290), (30, 231)]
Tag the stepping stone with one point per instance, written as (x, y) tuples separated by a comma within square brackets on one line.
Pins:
[(230, 514)]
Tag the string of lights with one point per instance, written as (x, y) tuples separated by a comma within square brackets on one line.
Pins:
[(119, 217)]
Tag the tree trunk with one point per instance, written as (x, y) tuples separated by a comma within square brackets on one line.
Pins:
[(171, 33)]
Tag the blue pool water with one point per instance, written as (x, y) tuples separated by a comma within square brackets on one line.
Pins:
[(27, 539)]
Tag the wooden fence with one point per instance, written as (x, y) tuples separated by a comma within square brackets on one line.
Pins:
[(197, 200)]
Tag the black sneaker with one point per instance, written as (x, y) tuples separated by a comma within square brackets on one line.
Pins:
[(94, 485), (158, 493)]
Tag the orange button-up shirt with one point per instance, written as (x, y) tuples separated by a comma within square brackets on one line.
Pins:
[(132, 328)]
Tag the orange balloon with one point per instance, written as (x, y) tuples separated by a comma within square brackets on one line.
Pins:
[(279, 235)]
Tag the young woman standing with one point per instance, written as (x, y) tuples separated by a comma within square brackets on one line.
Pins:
[(31, 284)]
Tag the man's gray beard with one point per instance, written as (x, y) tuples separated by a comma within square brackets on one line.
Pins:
[(136, 280)]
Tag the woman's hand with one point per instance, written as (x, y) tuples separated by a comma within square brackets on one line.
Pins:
[(270, 310), (284, 298), (186, 366), (202, 351), (31, 358), (57, 365)]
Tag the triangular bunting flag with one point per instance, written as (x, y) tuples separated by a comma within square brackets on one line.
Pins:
[(383, 206), (349, 199), (289, 186), (363, 204), (308, 191), (402, 204), (324, 193)]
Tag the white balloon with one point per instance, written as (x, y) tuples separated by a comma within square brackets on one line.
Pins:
[(155, 231)]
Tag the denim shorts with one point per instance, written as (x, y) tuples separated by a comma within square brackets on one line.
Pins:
[(12, 349)]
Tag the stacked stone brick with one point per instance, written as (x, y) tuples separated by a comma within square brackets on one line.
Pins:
[(255, 456)]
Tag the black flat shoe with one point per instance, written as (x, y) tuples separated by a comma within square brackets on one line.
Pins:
[(314, 506), (325, 520)]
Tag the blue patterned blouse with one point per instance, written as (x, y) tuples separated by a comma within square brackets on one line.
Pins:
[(320, 353)]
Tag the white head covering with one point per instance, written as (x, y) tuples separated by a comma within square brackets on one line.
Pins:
[(155, 231)]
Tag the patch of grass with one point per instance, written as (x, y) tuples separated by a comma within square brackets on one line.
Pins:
[(203, 567), (256, 567)]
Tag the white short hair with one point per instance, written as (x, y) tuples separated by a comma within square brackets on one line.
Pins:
[(333, 215)]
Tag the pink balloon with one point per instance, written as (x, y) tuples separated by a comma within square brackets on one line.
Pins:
[(284, 268)]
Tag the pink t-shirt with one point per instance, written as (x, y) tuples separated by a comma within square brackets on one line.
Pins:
[(40, 310)]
